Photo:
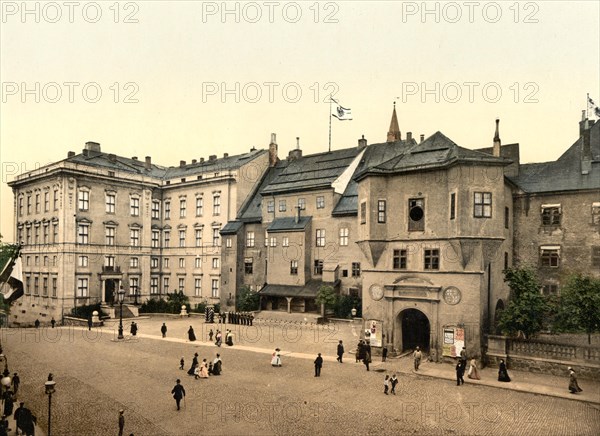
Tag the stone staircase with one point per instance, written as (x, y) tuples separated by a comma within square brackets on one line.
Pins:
[(129, 311)]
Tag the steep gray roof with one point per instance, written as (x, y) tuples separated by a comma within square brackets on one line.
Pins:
[(565, 173), (312, 172), (288, 224), (251, 208), (231, 228)]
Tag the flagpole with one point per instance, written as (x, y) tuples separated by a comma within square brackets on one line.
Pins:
[(330, 123), (587, 106)]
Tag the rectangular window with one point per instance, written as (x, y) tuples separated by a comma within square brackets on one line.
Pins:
[(110, 203), (155, 238), (216, 205), (167, 210), (82, 287), (215, 237), (55, 233), (596, 256), (215, 288), (134, 285), (273, 240), (550, 257), (83, 232), (84, 200), (166, 262), (270, 206), (37, 233), (505, 260), (28, 285), (154, 285), (381, 205), (452, 206), (482, 205), (248, 265), (109, 233), (198, 262), (363, 212), (228, 243), (506, 217), (399, 259), (550, 289), (293, 267), (320, 202), (55, 199), (551, 216), (21, 206), (28, 235), (416, 215), (249, 239), (46, 201), (181, 262), (318, 267), (285, 241), (182, 208), (432, 259), (134, 262), (37, 203), (320, 242), (215, 263), (154, 262), (134, 237), (29, 205), (36, 286), (109, 261), (54, 286), (282, 206), (135, 206), (266, 238), (167, 238), (198, 287), (199, 206), (155, 209), (46, 233), (355, 269), (302, 204), (166, 285), (344, 236), (198, 237), (182, 238), (181, 284), (44, 286), (82, 261)]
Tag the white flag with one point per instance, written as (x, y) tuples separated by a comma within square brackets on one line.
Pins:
[(341, 113)]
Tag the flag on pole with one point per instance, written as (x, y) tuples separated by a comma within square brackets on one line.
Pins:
[(341, 113), (591, 103), (12, 273)]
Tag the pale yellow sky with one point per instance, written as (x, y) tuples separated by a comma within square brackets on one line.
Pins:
[(200, 81)]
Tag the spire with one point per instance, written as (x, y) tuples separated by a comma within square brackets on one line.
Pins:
[(496, 149), (394, 132)]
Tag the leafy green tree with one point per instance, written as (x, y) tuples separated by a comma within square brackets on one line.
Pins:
[(527, 307), (345, 304), (327, 298), (177, 299), (579, 305), (247, 299)]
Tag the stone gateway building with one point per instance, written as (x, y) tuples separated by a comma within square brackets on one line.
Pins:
[(420, 230)]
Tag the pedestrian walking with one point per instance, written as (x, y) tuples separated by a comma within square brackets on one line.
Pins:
[(217, 365), (340, 351), (191, 334), (25, 420), (276, 358), (459, 374), (393, 383), (121, 422), (52, 322), (20, 418), (210, 335), (37, 323), (90, 323), (463, 360), (318, 365), (219, 338), (16, 381), (473, 372), (359, 351), (417, 358), (8, 403), (134, 328), (384, 353), (386, 384), (229, 338), (194, 364), (163, 330), (181, 363), (573, 385), (502, 372), (178, 393), (367, 359)]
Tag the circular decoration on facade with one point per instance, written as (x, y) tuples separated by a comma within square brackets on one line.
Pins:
[(452, 295), (376, 292)]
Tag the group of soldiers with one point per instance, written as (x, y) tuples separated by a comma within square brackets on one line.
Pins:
[(241, 318)]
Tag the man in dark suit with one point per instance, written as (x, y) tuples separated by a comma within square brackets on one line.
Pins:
[(340, 351), (318, 365), (178, 393)]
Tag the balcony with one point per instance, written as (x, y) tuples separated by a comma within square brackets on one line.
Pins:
[(111, 269)]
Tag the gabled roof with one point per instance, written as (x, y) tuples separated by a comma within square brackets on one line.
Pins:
[(251, 211)]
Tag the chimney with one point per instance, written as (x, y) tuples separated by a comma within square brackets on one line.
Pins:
[(112, 157), (496, 150), (85, 152), (362, 143), (409, 136), (422, 138), (252, 149), (212, 157), (297, 218), (148, 164), (70, 154), (584, 124), (134, 158), (194, 161), (181, 163), (296, 153), (272, 150), (225, 155), (586, 149), (201, 160), (92, 146)]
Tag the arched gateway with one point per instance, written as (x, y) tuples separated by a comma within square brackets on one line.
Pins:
[(415, 329)]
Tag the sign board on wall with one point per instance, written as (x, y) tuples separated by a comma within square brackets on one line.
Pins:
[(454, 340), (373, 332)]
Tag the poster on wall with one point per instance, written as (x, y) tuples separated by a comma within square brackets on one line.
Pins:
[(454, 340), (373, 332)]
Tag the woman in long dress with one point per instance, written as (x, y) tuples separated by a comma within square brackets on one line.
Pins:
[(502, 372), (573, 385), (203, 369), (473, 371), (194, 364), (191, 334), (219, 338), (276, 358)]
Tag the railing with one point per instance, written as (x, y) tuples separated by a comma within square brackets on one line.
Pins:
[(553, 351), (111, 269)]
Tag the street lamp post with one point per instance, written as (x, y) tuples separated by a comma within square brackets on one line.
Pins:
[(49, 385), (121, 295)]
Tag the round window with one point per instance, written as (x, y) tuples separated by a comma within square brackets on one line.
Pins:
[(416, 213)]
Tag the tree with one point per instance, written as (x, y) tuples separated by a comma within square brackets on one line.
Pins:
[(177, 299), (247, 299), (326, 297), (579, 305), (527, 307)]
